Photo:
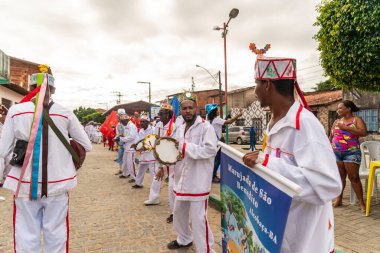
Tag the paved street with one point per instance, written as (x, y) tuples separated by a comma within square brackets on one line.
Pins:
[(107, 215)]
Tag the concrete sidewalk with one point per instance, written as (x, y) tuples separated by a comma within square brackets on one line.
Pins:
[(107, 215)]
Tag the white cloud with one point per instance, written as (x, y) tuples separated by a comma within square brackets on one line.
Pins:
[(97, 47)]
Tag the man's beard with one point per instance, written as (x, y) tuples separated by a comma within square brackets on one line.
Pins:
[(187, 120)]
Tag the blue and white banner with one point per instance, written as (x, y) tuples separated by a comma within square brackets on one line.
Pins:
[(255, 205)]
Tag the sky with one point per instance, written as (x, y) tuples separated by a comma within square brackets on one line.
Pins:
[(98, 48)]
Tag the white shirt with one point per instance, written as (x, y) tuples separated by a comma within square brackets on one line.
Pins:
[(217, 124), (147, 155), (298, 148), (61, 170), (129, 137), (193, 175)]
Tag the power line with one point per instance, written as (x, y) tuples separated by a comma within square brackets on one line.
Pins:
[(309, 67)]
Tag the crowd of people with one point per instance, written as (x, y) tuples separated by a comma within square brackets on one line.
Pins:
[(292, 139)]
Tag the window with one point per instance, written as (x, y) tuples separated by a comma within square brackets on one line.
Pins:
[(6, 102), (371, 118), (240, 122)]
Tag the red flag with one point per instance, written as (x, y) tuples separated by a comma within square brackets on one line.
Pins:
[(106, 127)]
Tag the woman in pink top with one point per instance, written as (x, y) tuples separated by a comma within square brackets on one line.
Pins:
[(344, 137)]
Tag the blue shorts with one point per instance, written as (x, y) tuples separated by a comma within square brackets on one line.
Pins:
[(354, 156)]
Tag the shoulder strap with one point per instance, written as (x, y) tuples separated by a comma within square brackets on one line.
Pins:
[(60, 135)]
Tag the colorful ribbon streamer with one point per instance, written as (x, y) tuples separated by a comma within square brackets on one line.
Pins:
[(33, 133)]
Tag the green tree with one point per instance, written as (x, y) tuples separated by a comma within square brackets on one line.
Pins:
[(349, 42), (81, 112), (96, 116), (325, 85)]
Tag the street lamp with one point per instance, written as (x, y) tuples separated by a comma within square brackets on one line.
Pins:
[(233, 14), (220, 88), (150, 95)]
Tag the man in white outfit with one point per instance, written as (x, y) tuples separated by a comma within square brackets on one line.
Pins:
[(192, 180), (297, 147), (147, 160), (48, 214), (129, 138)]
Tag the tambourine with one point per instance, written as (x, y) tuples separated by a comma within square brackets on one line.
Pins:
[(166, 152), (139, 145), (149, 141)]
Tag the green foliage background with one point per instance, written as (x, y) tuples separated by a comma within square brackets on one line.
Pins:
[(88, 114), (349, 42)]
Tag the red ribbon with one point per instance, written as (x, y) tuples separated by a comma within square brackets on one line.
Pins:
[(31, 95)]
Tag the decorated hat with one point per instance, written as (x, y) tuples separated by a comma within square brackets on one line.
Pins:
[(187, 95), (210, 107), (38, 78), (275, 68), (121, 111), (166, 106), (144, 117)]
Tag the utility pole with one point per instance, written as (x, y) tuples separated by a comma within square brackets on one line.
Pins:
[(119, 95), (220, 96), (150, 94), (192, 84)]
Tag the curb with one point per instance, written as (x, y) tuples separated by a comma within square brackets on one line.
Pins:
[(214, 202)]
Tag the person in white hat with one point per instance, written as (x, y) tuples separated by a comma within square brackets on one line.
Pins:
[(120, 132), (41, 187), (296, 146), (147, 160), (129, 138)]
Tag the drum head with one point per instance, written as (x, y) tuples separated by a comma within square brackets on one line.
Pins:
[(139, 145), (149, 141), (166, 151)]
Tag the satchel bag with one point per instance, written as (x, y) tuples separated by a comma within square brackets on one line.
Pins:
[(18, 155), (76, 150)]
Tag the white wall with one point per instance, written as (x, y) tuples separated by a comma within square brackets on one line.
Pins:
[(10, 95)]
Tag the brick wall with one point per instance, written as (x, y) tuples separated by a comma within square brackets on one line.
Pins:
[(20, 70)]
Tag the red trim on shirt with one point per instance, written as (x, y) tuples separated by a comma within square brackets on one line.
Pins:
[(266, 160), (54, 114), (50, 182), (183, 150), (191, 194), (298, 117)]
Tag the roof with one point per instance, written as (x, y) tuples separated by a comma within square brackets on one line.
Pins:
[(241, 90), (318, 98), (16, 88), (130, 108)]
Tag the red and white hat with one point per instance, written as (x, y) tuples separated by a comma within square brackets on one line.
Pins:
[(275, 68)]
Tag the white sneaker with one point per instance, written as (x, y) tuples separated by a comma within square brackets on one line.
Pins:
[(2, 198), (152, 202)]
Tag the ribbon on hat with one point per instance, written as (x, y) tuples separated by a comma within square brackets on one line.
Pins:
[(33, 134)]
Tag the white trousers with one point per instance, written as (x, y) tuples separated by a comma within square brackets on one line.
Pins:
[(197, 211), (49, 216), (141, 172), (128, 167), (155, 188)]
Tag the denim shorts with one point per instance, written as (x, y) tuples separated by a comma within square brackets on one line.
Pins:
[(354, 156)]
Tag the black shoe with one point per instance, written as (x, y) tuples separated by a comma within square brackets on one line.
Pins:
[(122, 176), (131, 180), (137, 186), (174, 245), (169, 219), (118, 173)]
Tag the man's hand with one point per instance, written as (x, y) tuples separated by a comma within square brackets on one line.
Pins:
[(250, 158), (133, 145), (239, 115), (159, 174)]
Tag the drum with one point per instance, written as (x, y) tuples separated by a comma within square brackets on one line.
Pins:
[(166, 152), (139, 145), (149, 141)]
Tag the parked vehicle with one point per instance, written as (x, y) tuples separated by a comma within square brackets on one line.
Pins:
[(239, 134)]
